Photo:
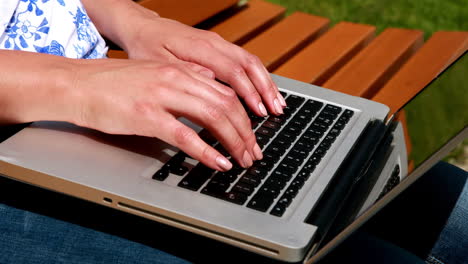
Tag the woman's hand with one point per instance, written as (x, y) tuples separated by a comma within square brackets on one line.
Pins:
[(146, 98), (145, 35)]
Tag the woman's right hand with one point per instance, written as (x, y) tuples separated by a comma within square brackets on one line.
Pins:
[(146, 98)]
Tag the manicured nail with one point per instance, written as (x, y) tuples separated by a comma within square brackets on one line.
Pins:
[(281, 99), (223, 163), (257, 152), (247, 159), (278, 107), (262, 109)]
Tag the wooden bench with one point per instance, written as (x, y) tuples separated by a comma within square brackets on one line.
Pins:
[(389, 67)]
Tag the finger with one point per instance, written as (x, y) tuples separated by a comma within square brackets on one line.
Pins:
[(200, 69), (227, 99), (258, 75), (225, 69), (209, 116), (187, 140)]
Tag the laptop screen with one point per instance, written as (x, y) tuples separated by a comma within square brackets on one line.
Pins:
[(436, 115)]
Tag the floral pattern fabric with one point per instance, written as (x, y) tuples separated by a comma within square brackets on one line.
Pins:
[(58, 27)]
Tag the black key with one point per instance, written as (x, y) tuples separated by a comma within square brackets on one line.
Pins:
[(265, 131), (314, 159), (298, 152), (277, 119), (283, 141), (235, 197), (285, 200), (214, 188), (304, 174), (294, 100), (269, 190), (283, 94), (291, 159), (271, 125), (305, 117), (270, 157), (275, 149), (309, 167), (332, 108), (348, 113), (278, 210), (320, 151), (261, 202), (179, 170), (262, 140), (313, 105), (309, 139), (275, 183), (196, 177), (298, 123), (281, 173), (227, 177), (288, 168), (161, 174), (254, 124), (310, 113), (292, 130), (297, 183), (334, 132), (264, 163), (339, 125), (258, 171), (319, 126), (304, 145), (289, 110), (291, 192), (251, 180), (243, 188), (325, 120)]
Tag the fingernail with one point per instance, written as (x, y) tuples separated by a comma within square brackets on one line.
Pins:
[(278, 108), (223, 163), (257, 152), (281, 99), (247, 159), (262, 109)]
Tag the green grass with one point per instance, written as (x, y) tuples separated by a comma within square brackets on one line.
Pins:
[(426, 15), (429, 16)]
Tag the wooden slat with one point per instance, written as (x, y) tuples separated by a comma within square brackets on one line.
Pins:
[(369, 70), (190, 12), (252, 19), (438, 52), (281, 41), (323, 57), (117, 54)]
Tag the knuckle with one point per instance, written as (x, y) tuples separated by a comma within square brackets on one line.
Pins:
[(251, 59), (236, 71), (229, 101), (213, 113), (238, 145), (201, 43), (183, 135), (170, 71), (213, 35)]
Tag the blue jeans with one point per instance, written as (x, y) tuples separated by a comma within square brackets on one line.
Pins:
[(38, 226)]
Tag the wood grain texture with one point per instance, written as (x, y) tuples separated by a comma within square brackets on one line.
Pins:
[(323, 57), (190, 12), (439, 51), (249, 21), (377, 63), (281, 41), (117, 54)]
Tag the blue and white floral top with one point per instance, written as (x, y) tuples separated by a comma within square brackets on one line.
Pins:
[(58, 27)]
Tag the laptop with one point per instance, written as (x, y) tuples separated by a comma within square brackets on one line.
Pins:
[(330, 163)]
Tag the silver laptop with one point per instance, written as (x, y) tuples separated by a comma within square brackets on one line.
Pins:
[(296, 204)]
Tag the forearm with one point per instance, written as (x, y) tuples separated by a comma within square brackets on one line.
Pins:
[(35, 87), (118, 20)]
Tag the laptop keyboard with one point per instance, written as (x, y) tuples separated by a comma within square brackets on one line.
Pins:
[(287, 142)]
